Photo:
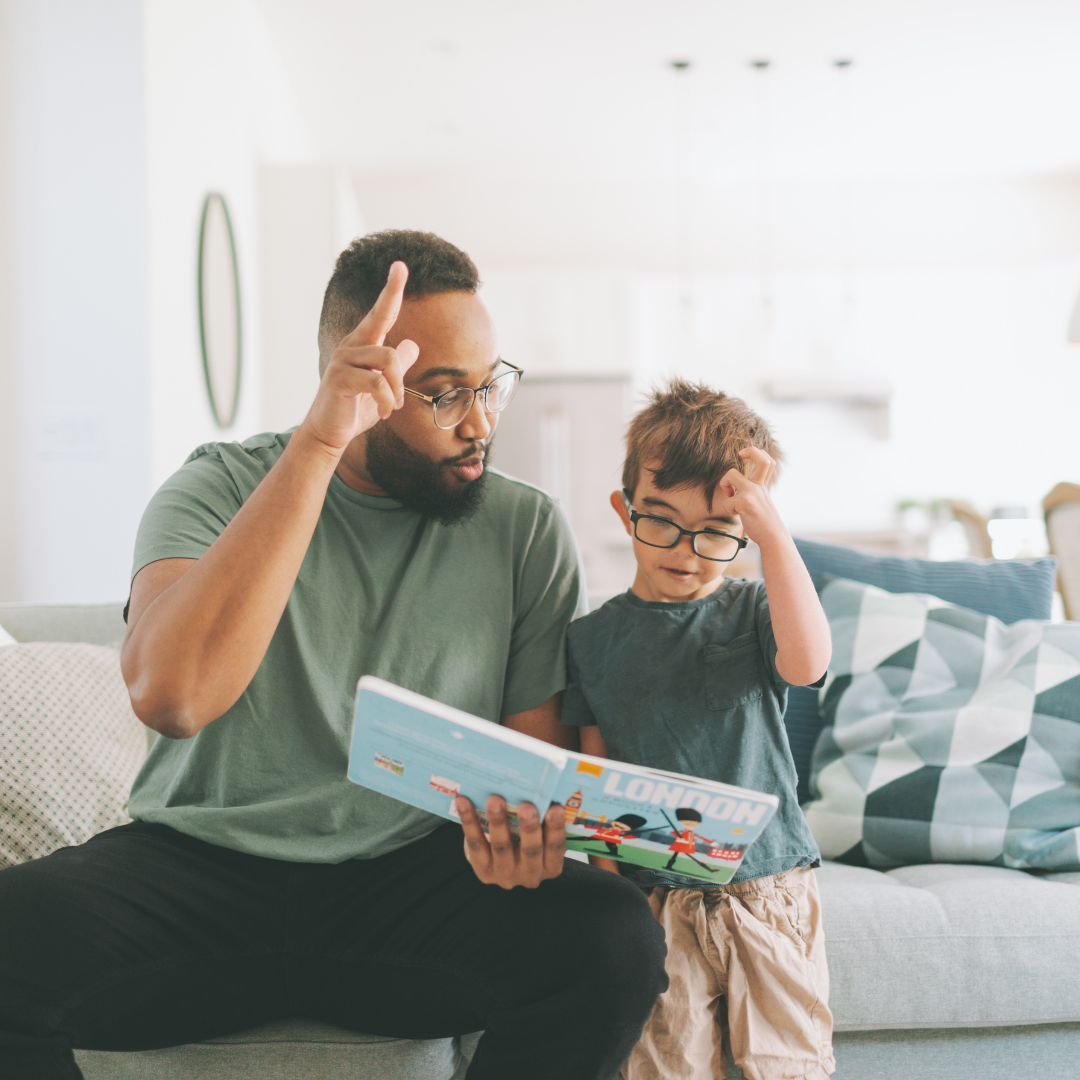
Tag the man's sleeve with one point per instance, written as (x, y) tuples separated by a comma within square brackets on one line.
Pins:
[(551, 591), (575, 707), (188, 512)]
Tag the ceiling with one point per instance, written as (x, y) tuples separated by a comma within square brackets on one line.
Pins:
[(569, 113)]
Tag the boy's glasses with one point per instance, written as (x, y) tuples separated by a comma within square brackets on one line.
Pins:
[(450, 409), (708, 544)]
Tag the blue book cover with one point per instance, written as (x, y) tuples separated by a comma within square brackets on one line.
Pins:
[(426, 754)]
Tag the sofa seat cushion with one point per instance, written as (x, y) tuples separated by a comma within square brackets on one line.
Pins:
[(285, 1050), (950, 945)]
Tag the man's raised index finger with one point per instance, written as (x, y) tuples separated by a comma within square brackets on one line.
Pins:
[(375, 325)]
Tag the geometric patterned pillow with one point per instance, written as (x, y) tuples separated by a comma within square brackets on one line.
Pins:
[(951, 737), (1008, 589), (70, 747)]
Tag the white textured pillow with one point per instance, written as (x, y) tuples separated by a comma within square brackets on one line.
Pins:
[(70, 747)]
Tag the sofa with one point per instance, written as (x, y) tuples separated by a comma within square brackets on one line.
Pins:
[(938, 971)]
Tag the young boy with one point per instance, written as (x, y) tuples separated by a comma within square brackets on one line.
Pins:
[(688, 671)]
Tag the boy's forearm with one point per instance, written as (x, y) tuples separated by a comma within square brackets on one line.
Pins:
[(803, 641), (592, 742), (610, 865)]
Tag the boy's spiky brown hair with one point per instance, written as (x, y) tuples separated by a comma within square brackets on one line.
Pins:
[(695, 434)]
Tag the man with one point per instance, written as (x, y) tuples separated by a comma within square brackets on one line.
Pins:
[(255, 882)]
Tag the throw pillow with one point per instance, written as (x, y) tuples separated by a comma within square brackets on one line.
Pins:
[(951, 737), (1008, 590), (70, 747), (6, 638)]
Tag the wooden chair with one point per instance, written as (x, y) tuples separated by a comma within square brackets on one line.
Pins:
[(974, 523), (1062, 510)]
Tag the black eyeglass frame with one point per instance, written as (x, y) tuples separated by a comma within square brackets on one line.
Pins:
[(475, 390), (635, 517)]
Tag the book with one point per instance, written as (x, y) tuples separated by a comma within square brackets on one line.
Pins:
[(425, 754)]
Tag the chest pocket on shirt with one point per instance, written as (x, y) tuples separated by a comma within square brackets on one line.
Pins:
[(734, 673)]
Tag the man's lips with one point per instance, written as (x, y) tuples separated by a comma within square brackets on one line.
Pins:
[(470, 468)]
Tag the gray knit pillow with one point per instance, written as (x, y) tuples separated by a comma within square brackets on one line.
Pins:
[(70, 747)]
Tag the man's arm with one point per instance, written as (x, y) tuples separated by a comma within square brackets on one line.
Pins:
[(803, 640), (543, 723), (198, 629)]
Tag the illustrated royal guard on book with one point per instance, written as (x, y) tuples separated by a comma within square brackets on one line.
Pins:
[(686, 840), (614, 833)]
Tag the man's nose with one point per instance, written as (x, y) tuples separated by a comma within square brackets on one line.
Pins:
[(478, 423)]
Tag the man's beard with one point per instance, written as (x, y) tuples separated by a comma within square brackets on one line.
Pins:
[(419, 483)]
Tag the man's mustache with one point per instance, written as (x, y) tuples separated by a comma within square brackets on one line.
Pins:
[(480, 448)]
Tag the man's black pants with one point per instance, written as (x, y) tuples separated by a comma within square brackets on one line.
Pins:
[(145, 938)]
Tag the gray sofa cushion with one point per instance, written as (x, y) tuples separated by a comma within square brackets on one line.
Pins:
[(289, 1050), (1045, 1052), (96, 624), (945, 945)]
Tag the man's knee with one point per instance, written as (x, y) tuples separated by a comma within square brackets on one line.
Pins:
[(24, 894), (624, 949), (23, 898)]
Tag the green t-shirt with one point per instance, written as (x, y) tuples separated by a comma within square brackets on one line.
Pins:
[(473, 615)]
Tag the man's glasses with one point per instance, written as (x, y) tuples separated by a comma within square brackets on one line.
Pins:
[(451, 408), (708, 544)]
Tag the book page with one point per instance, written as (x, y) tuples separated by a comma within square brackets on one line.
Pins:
[(697, 828), (425, 754)]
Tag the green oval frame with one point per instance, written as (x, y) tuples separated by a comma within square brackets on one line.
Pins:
[(221, 423)]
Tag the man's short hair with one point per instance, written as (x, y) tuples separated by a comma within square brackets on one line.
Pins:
[(435, 266), (695, 434)]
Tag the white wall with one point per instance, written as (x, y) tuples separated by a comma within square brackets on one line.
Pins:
[(307, 215), (964, 314), (986, 389), (75, 466), (9, 412), (116, 119), (217, 105)]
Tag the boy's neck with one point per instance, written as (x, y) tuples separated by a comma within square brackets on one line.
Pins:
[(643, 589)]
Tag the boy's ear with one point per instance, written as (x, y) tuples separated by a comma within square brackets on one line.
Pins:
[(619, 506)]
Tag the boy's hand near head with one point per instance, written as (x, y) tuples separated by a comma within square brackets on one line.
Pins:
[(803, 641), (746, 494)]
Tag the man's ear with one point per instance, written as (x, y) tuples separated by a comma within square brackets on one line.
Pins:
[(619, 506)]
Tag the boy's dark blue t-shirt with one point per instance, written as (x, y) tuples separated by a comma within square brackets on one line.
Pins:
[(693, 688)]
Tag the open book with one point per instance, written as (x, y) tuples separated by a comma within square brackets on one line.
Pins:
[(426, 754)]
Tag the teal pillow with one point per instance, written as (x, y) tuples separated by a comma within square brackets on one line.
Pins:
[(1007, 589), (950, 736)]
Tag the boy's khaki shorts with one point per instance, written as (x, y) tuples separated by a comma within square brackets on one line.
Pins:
[(759, 946)]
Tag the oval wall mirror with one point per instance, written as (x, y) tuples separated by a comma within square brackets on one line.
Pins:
[(220, 333)]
